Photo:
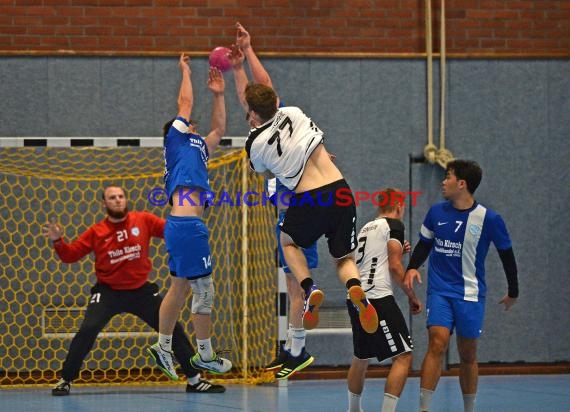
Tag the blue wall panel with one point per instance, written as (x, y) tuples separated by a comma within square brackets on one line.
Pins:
[(512, 116)]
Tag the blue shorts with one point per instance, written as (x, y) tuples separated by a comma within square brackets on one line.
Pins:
[(465, 316), (311, 253), (187, 245)]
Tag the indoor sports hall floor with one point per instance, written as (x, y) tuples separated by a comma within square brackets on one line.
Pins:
[(503, 393)]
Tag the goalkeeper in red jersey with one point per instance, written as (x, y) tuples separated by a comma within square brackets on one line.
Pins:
[(120, 243)]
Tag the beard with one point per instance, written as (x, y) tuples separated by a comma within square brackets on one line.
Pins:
[(119, 214)]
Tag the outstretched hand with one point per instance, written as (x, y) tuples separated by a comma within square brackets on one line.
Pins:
[(236, 56), (184, 63), (52, 229), (243, 39), (216, 82), (407, 246)]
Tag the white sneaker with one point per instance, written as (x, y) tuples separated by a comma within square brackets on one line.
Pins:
[(217, 365), (163, 360)]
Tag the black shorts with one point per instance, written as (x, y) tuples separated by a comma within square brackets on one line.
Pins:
[(320, 212), (392, 337)]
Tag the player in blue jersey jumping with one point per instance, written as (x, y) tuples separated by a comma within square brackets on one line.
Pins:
[(186, 154), (456, 234)]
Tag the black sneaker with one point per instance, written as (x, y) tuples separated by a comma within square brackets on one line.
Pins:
[(279, 360), (62, 388), (294, 364), (203, 386)]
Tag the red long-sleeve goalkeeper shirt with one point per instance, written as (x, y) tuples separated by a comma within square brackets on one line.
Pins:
[(121, 249)]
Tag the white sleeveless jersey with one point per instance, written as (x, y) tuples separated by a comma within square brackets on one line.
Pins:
[(371, 255), (283, 145)]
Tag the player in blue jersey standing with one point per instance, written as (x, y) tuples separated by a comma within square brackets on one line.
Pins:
[(293, 356), (186, 154), (456, 234)]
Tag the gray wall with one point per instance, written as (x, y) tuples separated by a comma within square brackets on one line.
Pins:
[(512, 116)]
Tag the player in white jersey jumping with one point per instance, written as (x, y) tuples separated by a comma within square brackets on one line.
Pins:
[(379, 257), (456, 234), (292, 356), (287, 144)]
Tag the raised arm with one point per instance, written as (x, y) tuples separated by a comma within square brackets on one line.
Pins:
[(217, 86), (240, 76), (242, 50), (258, 72), (185, 95)]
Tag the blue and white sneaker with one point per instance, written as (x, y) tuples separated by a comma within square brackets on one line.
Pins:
[(217, 365)]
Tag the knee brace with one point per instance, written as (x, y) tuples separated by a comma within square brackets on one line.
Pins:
[(203, 295)]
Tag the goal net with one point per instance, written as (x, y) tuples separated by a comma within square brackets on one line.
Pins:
[(42, 300)]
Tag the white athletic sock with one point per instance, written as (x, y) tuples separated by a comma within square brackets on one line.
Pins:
[(205, 349), (193, 380), (165, 342), (390, 402), (469, 402), (297, 341), (354, 402), (425, 399), (287, 345)]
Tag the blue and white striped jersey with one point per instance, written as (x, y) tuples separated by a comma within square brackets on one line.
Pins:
[(460, 241)]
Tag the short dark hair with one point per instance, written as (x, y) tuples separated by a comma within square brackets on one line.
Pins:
[(168, 125), (467, 170), (262, 100)]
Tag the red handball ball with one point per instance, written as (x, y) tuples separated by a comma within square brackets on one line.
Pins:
[(219, 59)]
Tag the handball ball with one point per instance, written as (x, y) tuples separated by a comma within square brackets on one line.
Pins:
[(219, 59)]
